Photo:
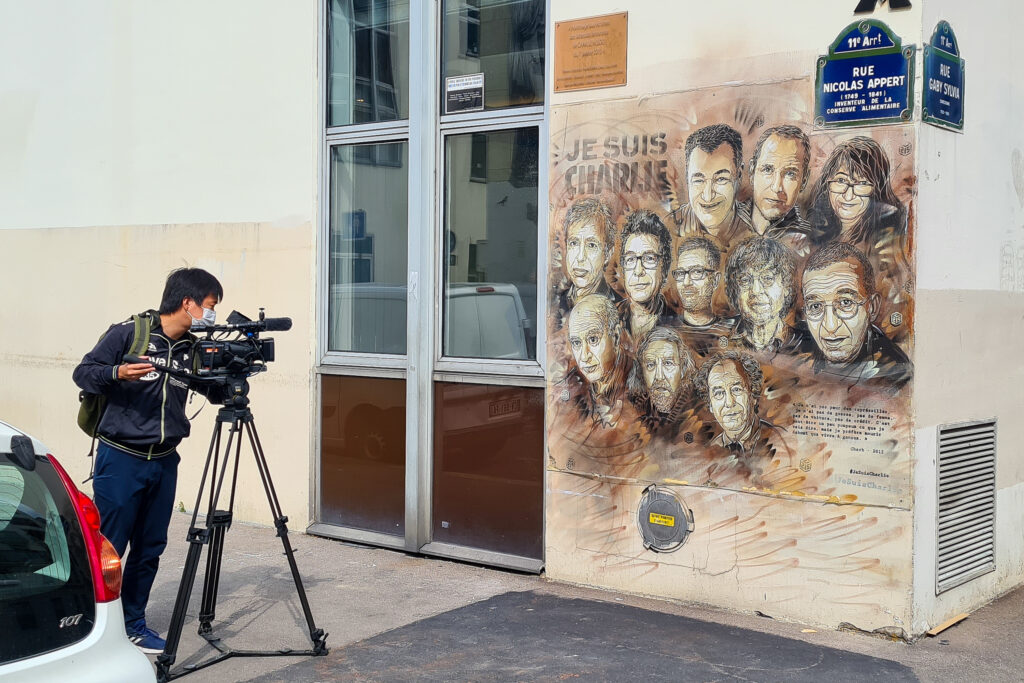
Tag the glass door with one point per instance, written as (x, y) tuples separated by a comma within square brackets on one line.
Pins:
[(488, 465), (487, 475)]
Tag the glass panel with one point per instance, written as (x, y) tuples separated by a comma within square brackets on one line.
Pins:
[(44, 564), (489, 467), (504, 40), (369, 251), (491, 233), (367, 61), (362, 453)]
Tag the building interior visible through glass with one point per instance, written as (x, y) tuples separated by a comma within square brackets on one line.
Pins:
[(490, 214), (368, 248), (368, 61), (502, 40)]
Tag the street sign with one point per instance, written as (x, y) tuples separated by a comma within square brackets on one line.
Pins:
[(866, 79), (943, 101)]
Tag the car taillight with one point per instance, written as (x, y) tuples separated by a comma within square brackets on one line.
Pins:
[(103, 558)]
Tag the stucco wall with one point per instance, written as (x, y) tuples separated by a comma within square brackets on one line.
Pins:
[(136, 138), (681, 46), (971, 291)]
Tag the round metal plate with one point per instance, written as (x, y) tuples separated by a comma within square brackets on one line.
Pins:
[(664, 521)]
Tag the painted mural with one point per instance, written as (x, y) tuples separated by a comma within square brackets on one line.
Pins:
[(731, 317)]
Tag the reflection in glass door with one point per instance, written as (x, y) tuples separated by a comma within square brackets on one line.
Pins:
[(362, 434), (488, 465), (490, 300)]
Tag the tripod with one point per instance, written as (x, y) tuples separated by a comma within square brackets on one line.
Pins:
[(237, 414)]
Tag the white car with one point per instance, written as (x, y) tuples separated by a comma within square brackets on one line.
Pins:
[(60, 580), (485, 320)]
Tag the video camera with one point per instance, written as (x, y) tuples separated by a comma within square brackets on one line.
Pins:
[(228, 362), (244, 355)]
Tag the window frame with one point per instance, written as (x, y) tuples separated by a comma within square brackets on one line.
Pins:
[(422, 365), (502, 371), (354, 360)]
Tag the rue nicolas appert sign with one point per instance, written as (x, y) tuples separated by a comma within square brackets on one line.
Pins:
[(866, 78)]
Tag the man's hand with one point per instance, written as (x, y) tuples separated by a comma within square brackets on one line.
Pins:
[(130, 372)]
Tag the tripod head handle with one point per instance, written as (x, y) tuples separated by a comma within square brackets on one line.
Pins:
[(173, 372)]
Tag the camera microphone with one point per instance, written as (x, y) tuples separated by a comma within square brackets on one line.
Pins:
[(277, 324), (237, 321)]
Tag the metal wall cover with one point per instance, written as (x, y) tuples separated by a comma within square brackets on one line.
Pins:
[(966, 523), (664, 521)]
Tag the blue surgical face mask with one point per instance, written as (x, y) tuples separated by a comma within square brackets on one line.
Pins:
[(208, 320)]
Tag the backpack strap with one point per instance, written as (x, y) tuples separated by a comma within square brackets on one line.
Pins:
[(92, 459), (144, 324), (138, 346)]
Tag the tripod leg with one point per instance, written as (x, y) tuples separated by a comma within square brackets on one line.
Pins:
[(196, 538), (316, 635), (219, 521)]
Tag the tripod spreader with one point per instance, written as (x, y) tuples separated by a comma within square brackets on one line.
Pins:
[(212, 533)]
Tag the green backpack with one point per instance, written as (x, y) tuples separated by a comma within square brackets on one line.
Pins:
[(92, 406)]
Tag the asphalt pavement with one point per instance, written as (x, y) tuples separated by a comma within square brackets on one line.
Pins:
[(391, 616)]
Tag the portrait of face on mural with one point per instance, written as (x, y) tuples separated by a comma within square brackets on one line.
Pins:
[(661, 383), (730, 385), (737, 321), (644, 264)]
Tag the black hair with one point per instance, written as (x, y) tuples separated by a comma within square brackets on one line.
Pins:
[(835, 252), (785, 132), (710, 138), (188, 283), (758, 252), (644, 222), (702, 243), (861, 156), (748, 365)]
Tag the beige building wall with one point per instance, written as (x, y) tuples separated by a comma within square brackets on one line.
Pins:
[(140, 137), (970, 306)]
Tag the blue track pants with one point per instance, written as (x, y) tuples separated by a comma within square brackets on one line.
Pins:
[(135, 498)]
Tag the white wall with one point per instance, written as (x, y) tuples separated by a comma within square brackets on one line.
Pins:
[(115, 112), (684, 45), (139, 137), (970, 207), (968, 333)]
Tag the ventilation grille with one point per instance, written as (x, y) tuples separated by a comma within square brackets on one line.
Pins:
[(967, 503)]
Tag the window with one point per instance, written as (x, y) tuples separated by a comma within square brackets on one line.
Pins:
[(368, 57), (368, 250), (490, 305), (44, 566), (502, 39)]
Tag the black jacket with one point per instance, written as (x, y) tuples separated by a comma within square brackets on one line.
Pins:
[(145, 417)]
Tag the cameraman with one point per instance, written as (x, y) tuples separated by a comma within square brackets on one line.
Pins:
[(136, 466)]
